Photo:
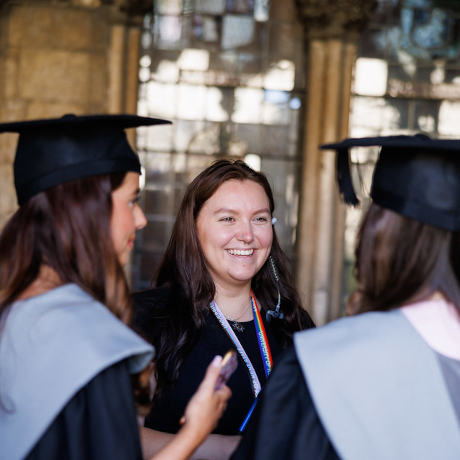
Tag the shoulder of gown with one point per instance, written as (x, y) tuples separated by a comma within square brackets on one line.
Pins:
[(52, 346), (98, 422), (285, 423), (151, 302), (306, 320), (150, 312)]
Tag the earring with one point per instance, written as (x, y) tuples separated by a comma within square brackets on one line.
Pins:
[(277, 313)]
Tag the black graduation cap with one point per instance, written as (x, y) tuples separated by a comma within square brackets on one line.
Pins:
[(54, 151), (415, 176)]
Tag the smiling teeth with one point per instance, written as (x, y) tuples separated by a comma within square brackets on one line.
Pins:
[(238, 252)]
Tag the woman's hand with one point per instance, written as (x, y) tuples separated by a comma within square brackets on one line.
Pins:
[(201, 416), (207, 404)]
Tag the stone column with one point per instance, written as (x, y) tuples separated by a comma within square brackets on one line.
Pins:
[(71, 56), (331, 29)]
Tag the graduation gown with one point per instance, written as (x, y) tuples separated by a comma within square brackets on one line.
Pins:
[(359, 388), (65, 365), (98, 422), (284, 424)]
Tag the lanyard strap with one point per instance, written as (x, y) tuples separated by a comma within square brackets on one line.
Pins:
[(264, 346), (261, 338)]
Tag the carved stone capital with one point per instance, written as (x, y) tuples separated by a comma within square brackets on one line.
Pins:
[(343, 19)]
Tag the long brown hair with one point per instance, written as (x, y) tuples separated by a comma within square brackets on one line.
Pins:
[(66, 228), (184, 259), (400, 260)]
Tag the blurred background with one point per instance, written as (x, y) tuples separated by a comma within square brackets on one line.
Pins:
[(266, 81)]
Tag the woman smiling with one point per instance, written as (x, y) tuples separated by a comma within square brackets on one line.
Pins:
[(223, 284)]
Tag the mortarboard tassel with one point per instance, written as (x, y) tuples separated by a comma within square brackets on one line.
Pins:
[(346, 189)]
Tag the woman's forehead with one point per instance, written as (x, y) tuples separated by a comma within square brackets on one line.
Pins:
[(236, 195)]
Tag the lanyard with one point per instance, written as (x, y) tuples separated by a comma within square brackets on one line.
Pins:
[(264, 347), (261, 338)]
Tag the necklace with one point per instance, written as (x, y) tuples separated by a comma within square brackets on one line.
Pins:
[(235, 323)]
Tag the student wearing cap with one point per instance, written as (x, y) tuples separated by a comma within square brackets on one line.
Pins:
[(383, 383), (68, 362)]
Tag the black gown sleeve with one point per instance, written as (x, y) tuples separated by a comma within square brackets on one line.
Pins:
[(99, 422), (285, 424)]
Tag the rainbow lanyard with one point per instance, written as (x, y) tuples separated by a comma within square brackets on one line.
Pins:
[(264, 347)]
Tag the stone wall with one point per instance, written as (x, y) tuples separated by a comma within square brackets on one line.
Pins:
[(58, 58), (7, 141)]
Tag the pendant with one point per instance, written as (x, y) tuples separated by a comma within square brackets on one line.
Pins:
[(237, 326)]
